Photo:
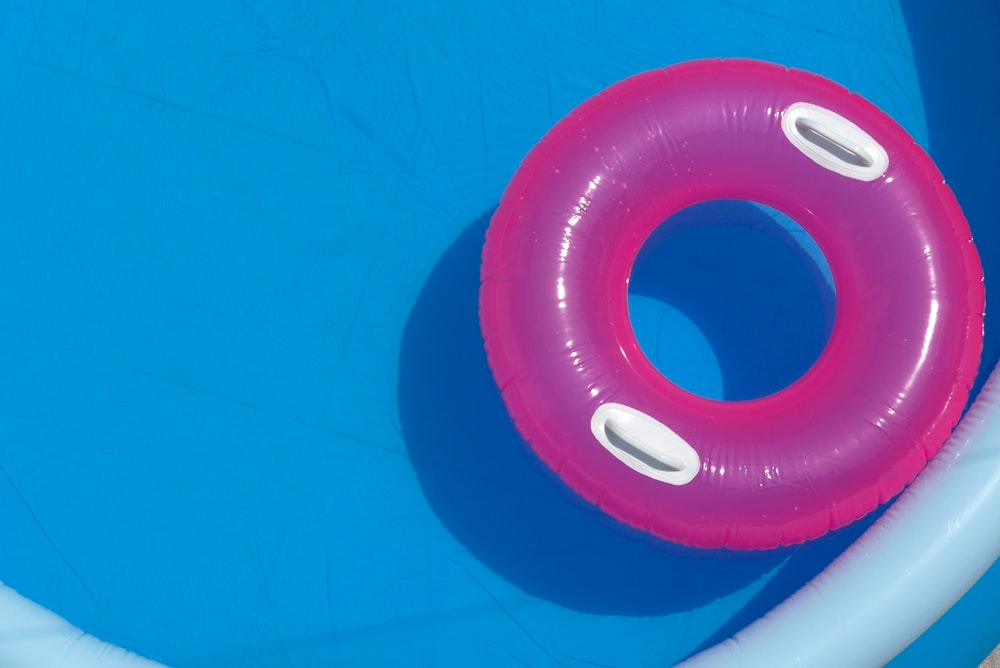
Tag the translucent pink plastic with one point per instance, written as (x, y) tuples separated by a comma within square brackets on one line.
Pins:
[(848, 435)]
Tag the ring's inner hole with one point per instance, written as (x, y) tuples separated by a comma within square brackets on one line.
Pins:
[(731, 300)]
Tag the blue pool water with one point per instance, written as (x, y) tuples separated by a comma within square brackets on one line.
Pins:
[(245, 416)]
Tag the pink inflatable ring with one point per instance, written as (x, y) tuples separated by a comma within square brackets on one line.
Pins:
[(847, 436)]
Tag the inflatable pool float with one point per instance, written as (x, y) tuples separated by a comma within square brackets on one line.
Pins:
[(782, 469)]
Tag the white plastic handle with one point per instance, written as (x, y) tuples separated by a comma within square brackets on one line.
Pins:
[(645, 444), (833, 142)]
